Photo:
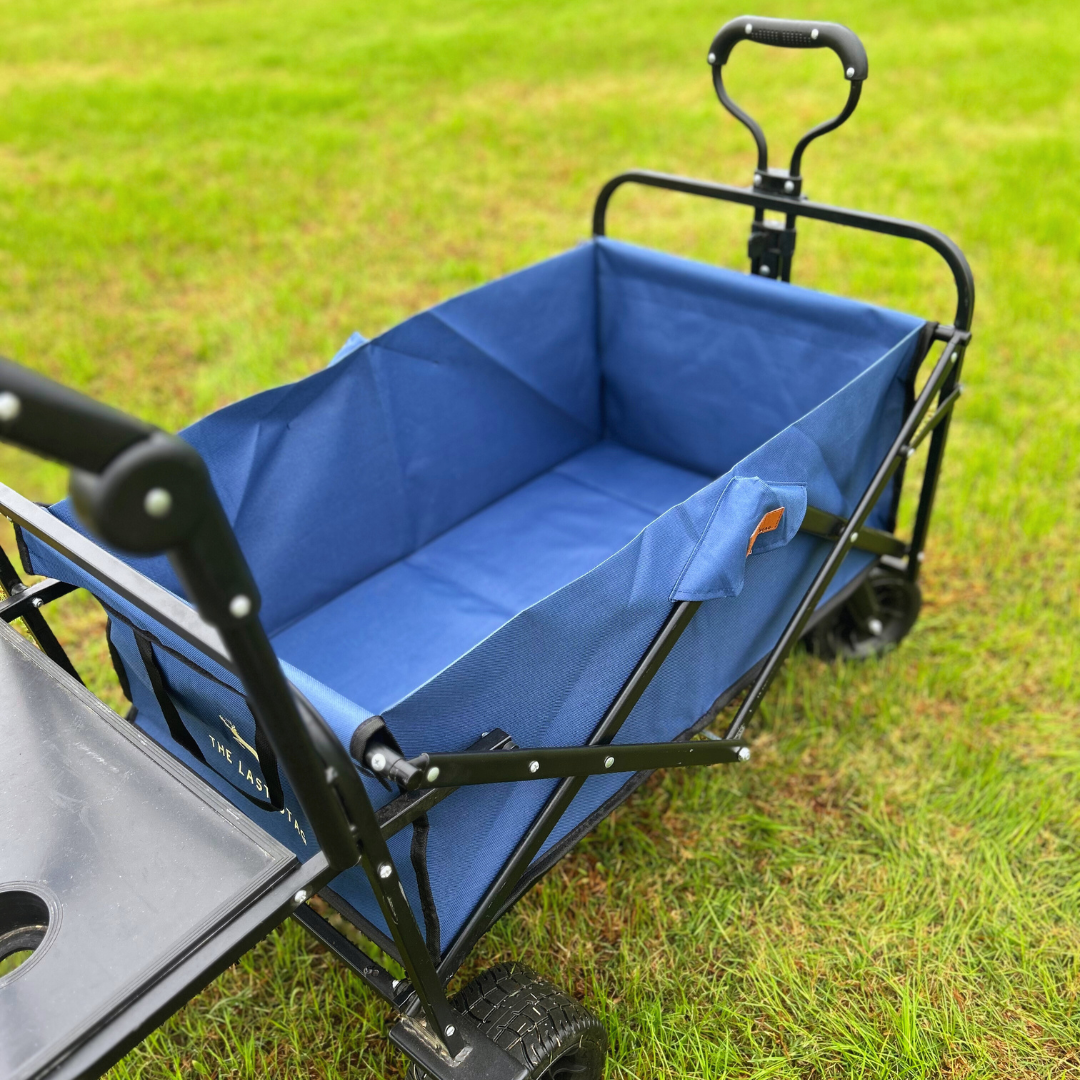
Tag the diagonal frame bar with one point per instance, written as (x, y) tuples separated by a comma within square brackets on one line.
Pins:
[(940, 378)]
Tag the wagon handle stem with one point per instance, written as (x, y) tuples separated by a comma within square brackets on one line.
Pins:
[(788, 34)]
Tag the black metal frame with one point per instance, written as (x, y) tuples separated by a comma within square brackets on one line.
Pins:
[(119, 462)]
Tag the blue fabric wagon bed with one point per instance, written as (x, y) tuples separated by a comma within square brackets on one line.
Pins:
[(427, 615), (480, 518)]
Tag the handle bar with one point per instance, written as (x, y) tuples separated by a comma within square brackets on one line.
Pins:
[(145, 491), (793, 34), (788, 34)]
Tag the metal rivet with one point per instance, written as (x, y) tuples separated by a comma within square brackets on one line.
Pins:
[(814, 34), (875, 626), (385, 870), (854, 537), (534, 766), (450, 1029), (157, 502), (757, 179), (10, 406), (378, 762), (301, 896), (608, 762), (395, 984), (433, 774), (908, 451), (850, 73), (712, 58), (789, 186), (749, 28), (239, 606), (484, 734), (765, 271), (920, 556), (743, 753)]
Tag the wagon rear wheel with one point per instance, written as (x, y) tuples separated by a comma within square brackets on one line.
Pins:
[(873, 620), (550, 1033)]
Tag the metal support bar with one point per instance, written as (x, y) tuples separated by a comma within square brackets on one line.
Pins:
[(830, 526), (613, 719), (544, 763), (856, 219), (31, 597), (406, 808), (943, 410), (943, 372), (34, 621), (375, 975)]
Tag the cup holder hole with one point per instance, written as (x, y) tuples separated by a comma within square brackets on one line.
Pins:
[(24, 922)]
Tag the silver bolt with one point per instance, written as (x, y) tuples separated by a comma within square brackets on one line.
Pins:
[(433, 774), (850, 73), (749, 28), (743, 753), (378, 762), (920, 556), (712, 58), (757, 179), (534, 766), (385, 870), (157, 502), (450, 1029), (484, 734), (875, 626), (395, 984), (854, 537), (789, 186), (765, 270), (239, 606), (301, 896), (909, 451), (814, 34), (10, 406), (608, 762)]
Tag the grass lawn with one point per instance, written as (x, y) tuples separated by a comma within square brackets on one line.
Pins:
[(202, 199)]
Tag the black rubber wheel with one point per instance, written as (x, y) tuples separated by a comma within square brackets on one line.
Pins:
[(873, 621), (549, 1032)]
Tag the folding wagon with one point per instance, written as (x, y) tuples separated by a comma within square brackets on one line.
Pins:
[(429, 614)]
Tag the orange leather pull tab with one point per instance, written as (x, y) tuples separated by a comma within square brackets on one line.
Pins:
[(769, 523)]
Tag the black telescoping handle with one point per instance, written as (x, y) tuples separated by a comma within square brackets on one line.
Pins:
[(148, 492), (793, 34), (788, 34)]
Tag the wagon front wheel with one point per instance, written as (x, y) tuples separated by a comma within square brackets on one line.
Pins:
[(872, 621), (554, 1036)]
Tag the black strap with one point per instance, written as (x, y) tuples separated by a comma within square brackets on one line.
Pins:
[(418, 856), (117, 660), (178, 729)]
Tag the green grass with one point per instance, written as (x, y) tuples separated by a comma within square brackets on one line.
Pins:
[(199, 200)]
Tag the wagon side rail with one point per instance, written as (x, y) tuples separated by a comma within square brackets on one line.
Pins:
[(575, 764)]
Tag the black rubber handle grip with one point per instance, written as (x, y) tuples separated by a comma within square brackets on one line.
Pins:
[(793, 34), (60, 423)]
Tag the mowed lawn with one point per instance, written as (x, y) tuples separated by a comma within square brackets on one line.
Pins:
[(201, 199)]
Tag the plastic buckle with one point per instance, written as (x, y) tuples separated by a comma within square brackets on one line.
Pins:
[(771, 249)]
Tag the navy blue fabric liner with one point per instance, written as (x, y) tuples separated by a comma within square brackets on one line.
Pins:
[(479, 519)]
